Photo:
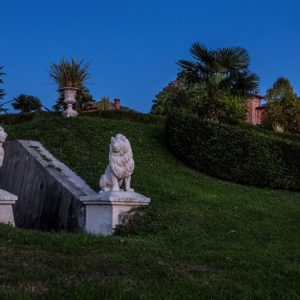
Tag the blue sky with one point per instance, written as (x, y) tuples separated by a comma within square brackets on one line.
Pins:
[(133, 45)]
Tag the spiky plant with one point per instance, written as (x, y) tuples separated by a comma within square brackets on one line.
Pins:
[(278, 128), (70, 73)]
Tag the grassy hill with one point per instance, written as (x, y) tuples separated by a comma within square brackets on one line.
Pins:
[(201, 238)]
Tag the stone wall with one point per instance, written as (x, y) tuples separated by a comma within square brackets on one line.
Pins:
[(49, 192)]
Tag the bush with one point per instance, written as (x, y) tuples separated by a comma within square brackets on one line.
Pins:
[(194, 98), (27, 103), (286, 113), (127, 116), (233, 153), (12, 119)]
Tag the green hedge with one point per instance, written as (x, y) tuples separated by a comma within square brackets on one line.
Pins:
[(127, 116), (234, 153), (12, 119)]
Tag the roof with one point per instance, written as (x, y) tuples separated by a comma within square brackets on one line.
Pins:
[(262, 106), (257, 96)]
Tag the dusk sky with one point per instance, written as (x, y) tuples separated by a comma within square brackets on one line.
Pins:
[(133, 45)]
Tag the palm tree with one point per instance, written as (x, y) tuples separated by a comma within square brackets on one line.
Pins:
[(1, 82), (27, 103), (221, 70)]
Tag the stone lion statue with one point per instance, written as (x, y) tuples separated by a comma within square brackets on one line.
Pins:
[(3, 137), (120, 167)]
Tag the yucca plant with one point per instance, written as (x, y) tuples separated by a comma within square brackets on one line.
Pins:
[(70, 73), (277, 127)]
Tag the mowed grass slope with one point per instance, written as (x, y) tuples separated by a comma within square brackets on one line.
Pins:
[(201, 238)]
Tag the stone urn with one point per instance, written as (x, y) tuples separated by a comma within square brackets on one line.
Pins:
[(70, 100)]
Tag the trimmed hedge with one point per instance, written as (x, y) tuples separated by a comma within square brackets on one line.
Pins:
[(127, 116), (13, 119), (234, 153)]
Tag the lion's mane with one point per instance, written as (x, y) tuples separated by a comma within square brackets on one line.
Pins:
[(121, 162)]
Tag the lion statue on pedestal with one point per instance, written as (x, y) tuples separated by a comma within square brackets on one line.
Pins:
[(3, 137), (120, 167)]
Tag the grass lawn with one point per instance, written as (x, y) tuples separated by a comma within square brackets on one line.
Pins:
[(200, 238)]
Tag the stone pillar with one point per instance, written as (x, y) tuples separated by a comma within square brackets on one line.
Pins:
[(109, 209), (7, 200)]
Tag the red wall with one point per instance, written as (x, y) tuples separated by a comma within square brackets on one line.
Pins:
[(254, 114)]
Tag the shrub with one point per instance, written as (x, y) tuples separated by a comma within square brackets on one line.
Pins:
[(13, 119), (233, 153), (27, 103), (127, 116), (194, 98), (287, 113), (278, 128)]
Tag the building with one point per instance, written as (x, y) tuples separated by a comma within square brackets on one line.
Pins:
[(255, 110), (103, 105)]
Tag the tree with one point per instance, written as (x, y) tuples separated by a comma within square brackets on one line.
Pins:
[(2, 93), (193, 99), (281, 90), (26, 103), (283, 106), (164, 101), (222, 70)]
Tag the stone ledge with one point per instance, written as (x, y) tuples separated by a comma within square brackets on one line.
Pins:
[(7, 200), (7, 197), (120, 198), (108, 209)]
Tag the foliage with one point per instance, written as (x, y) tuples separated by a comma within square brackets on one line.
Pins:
[(70, 73), (283, 107), (200, 238), (278, 128), (83, 97), (126, 115), (164, 101), (281, 91), (193, 98), (231, 109), (105, 99), (221, 70), (26, 103), (13, 119), (234, 153), (2, 93)]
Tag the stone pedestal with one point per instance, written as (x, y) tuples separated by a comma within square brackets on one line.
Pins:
[(106, 211), (7, 200)]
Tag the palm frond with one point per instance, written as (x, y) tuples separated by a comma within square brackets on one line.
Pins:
[(245, 83), (70, 73), (202, 54), (231, 59)]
